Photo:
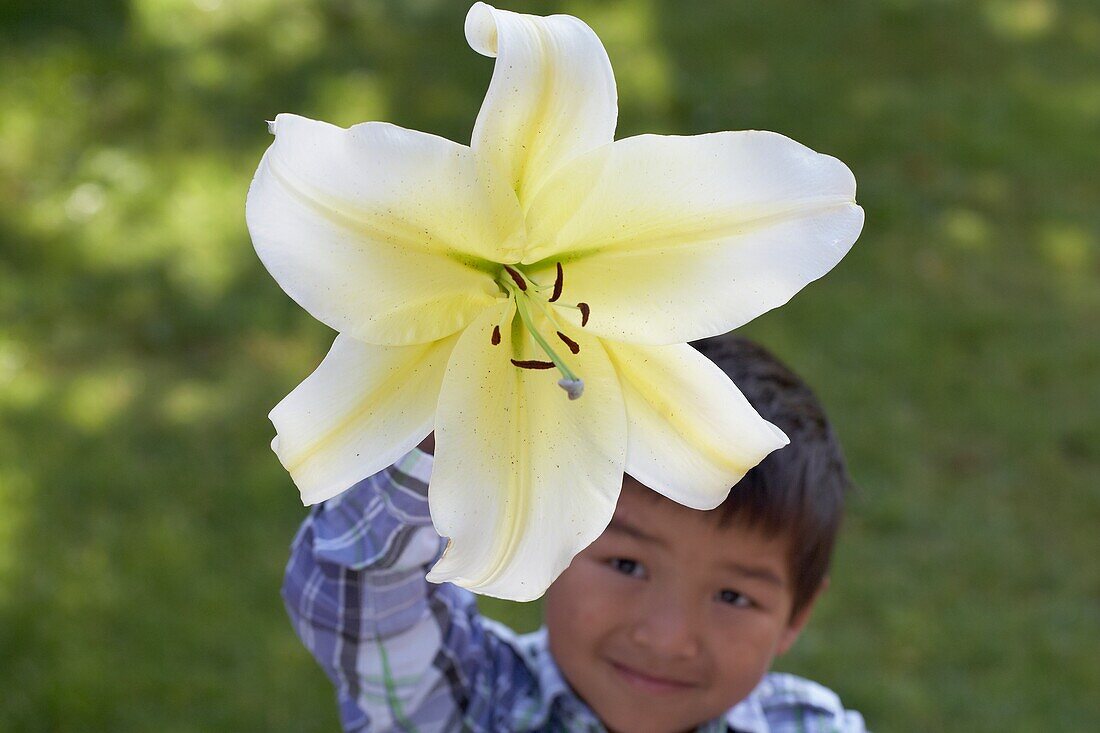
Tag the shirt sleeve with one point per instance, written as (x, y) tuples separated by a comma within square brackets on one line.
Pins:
[(403, 654)]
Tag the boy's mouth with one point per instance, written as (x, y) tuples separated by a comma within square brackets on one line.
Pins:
[(648, 682)]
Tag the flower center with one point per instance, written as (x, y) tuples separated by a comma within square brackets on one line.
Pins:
[(527, 293)]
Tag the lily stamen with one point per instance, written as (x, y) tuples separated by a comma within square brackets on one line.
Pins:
[(573, 345), (570, 382), (559, 281), (584, 308), (532, 364), (516, 277)]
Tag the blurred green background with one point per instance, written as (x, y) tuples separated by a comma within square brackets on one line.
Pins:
[(145, 523)]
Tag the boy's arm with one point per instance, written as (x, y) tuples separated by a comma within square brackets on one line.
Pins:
[(404, 654)]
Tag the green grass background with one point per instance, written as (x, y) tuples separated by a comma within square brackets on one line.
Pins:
[(144, 523)]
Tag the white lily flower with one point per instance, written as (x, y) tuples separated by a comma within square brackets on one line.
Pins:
[(471, 285)]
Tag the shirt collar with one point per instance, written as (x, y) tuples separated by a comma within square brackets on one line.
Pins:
[(748, 716), (556, 691)]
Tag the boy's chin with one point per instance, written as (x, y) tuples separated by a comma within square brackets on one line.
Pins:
[(647, 718), (635, 704)]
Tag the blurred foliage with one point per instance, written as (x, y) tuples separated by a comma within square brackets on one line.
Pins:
[(145, 522)]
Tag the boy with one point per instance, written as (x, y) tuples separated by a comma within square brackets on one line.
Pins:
[(668, 622)]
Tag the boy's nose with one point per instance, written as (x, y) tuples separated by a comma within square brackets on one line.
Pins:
[(669, 627)]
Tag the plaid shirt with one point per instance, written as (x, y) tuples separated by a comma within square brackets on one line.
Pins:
[(408, 655)]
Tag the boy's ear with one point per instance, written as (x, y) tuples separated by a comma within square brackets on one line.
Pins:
[(799, 620)]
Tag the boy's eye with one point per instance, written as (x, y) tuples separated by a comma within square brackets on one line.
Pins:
[(732, 597), (626, 566)]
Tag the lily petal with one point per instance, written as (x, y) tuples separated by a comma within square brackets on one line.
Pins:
[(362, 409), (379, 232), (523, 478), (551, 98), (672, 239), (692, 435)]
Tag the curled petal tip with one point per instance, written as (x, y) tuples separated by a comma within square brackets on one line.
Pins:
[(481, 31), (573, 387), (271, 126)]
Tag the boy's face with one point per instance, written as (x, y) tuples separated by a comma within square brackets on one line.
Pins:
[(667, 620)]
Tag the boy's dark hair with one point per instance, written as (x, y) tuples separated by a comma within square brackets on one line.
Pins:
[(797, 491)]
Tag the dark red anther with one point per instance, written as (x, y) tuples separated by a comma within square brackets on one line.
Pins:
[(496, 335), (573, 345), (585, 313), (533, 364), (520, 282), (558, 282)]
